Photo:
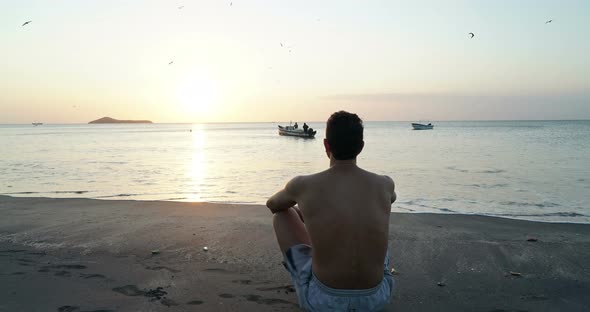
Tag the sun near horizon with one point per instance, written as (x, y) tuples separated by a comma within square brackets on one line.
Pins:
[(259, 61)]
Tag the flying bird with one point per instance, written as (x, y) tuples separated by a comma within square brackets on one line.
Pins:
[(27, 22), (549, 21), (170, 62), (180, 7), (281, 44), (472, 35)]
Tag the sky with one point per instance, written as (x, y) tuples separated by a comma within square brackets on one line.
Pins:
[(282, 60)]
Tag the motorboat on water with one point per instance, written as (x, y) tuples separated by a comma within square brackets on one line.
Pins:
[(37, 123), (419, 126), (297, 132)]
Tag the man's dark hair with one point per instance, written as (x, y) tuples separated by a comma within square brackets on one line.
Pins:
[(344, 132)]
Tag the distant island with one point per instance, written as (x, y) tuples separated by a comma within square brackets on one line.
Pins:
[(108, 120)]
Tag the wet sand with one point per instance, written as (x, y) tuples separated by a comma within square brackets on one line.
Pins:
[(99, 255)]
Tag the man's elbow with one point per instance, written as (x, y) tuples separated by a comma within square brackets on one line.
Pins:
[(270, 204)]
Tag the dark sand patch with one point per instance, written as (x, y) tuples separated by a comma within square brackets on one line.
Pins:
[(195, 302), (226, 296)]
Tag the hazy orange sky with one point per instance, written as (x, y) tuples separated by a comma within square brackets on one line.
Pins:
[(293, 60)]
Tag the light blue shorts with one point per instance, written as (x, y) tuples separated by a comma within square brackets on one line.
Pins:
[(315, 296)]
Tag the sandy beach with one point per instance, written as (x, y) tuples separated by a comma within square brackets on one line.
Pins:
[(100, 255)]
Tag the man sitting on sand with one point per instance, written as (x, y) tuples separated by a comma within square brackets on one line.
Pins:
[(338, 259)]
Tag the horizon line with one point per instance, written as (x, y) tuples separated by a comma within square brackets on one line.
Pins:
[(276, 122)]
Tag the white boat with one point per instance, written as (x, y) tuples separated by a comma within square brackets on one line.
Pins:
[(37, 123), (291, 131), (419, 126)]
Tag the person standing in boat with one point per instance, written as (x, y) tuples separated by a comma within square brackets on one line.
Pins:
[(295, 126), (305, 127)]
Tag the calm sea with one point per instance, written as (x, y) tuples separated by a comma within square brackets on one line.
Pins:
[(537, 170)]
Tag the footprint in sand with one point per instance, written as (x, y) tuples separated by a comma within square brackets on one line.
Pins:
[(157, 294), (37, 253), (216, 270), (250, 282), (195, 302), (67, 266), (242, 282), (47, 268), (129, 290), (534, 297), (269, 301), (68, 308), (25, 262), (287, 289), (158, 268), (63, 273), (226, 296), (89, 276), (168, 302)]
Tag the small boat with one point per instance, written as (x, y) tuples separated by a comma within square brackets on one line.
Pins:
[(419, 126), (292, 131), (37, 123)]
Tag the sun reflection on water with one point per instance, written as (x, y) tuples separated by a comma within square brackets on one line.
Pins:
[(197, 169)]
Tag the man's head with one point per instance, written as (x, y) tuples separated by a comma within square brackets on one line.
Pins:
[(344, 136)]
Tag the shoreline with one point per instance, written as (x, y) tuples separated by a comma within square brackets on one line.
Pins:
[(98, 254), (123, 198)]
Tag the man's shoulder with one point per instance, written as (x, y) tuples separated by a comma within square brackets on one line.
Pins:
[(380, 177), (297, 183), (301, 180)]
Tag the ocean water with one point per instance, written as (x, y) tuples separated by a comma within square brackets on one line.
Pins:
[(536, 170)]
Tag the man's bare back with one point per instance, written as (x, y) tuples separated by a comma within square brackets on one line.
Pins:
[(346, 212)]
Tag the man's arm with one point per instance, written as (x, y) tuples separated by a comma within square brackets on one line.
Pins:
[(285, 198), (391, 188)]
